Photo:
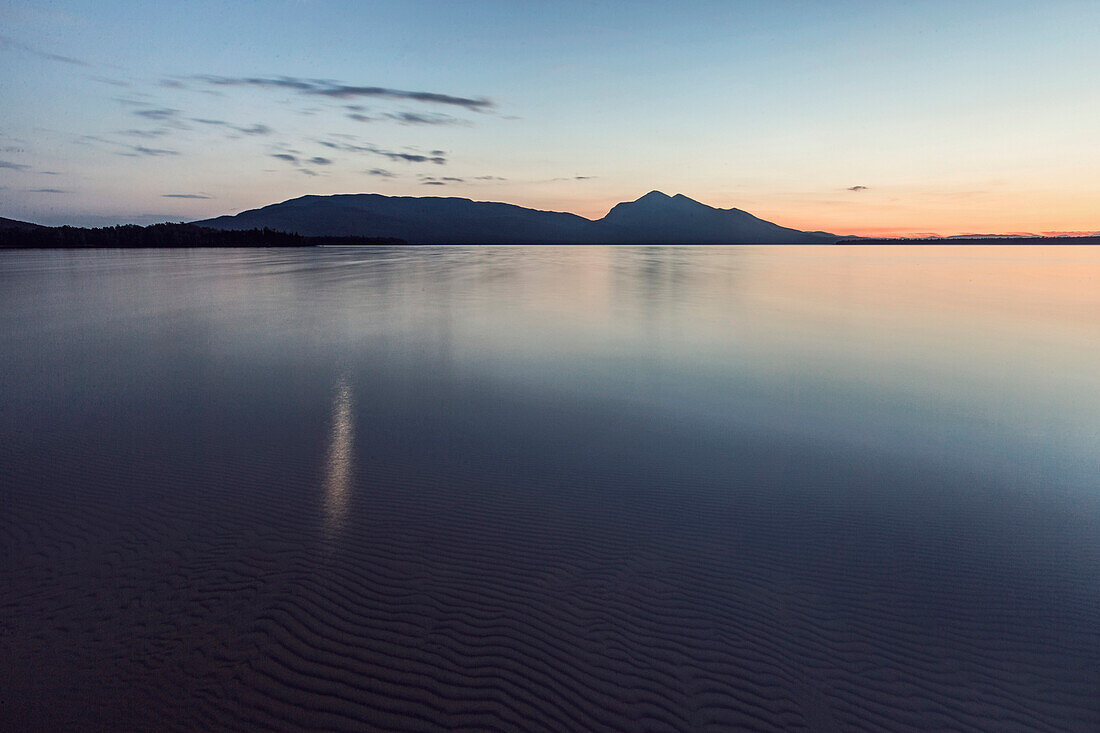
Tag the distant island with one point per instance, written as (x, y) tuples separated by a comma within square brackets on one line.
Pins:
[(976, 240), (24, 235), (374, 219), (655, 218)]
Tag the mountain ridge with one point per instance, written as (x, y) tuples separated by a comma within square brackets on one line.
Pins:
[(655, 218)]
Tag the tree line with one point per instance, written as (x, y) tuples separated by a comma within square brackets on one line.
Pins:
[(168, 236)]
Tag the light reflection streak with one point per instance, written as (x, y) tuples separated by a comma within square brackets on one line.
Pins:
[(338, 462)]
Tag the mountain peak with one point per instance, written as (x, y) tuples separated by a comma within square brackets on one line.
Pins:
[(655, 218)]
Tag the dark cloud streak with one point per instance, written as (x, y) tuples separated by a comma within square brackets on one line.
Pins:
[(152, 152), (9, 41), (336, 90), (163, 113)]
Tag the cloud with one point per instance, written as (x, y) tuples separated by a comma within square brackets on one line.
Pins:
[(453, 180), (145, 133), (107, 80), (13, 166), (337, 90), (489, 178), (9, 41), (318, 160), (432, 183), (412, 118), (153, 152), (413, 157), (361, 118), (46, 190), (256, 129), (856, 188), (436, 156), (382, 172), (184, 196), (163, 113), (285, 156)]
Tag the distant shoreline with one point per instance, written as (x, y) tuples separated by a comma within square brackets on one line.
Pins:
[(977, 240), (21, 235)]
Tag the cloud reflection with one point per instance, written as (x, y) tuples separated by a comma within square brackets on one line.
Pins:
[(338, 462)]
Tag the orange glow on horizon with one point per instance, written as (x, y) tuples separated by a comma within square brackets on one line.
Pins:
[(861, 214)]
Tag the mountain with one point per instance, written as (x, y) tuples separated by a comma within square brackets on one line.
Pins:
[(10, 224), (655, 218)]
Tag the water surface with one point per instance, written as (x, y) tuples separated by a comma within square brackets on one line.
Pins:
[(551, 488)]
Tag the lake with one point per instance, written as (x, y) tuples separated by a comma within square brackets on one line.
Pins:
[(551, 488)]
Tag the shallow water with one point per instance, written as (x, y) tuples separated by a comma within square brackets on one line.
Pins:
[(551, 488)]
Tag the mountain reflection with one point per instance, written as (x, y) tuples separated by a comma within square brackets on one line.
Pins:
[(338, 462)]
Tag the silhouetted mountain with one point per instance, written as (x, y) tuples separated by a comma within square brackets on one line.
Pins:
[(418, 220), (6, 224), (660, 219), (653, 219)]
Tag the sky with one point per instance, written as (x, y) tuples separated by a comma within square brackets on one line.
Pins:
[(879, 117)]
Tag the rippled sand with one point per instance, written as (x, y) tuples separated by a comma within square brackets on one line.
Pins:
[(204, 532)]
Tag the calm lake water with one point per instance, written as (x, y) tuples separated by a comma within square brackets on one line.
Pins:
[(551, 488)]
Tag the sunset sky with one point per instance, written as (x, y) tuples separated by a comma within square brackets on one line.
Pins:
[(860, 116)]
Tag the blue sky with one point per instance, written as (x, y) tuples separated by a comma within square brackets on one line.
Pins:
[(862, 116)]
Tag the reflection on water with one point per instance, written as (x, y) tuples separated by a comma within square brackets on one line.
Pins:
[(602, 480), (338, 461)]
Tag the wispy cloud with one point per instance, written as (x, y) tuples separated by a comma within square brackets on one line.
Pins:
[(163, 113), (109, 81), (161, 132), (152, 152), (337, 90), (256, 129), (408, 118), (856, 188), (318, 160), (413, 157), (13, 166), (47, 190), (13, 43), (381, 172), (185, 196), (435, 156), (285, 156)]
